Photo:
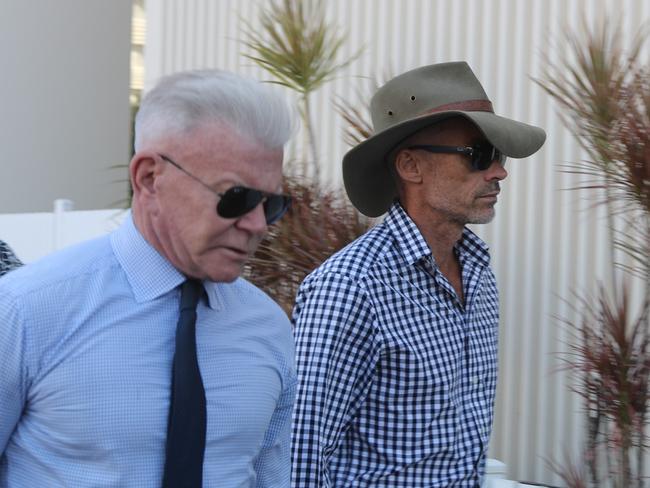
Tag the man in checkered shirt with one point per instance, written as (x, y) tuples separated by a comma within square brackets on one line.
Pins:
[(397, 333)]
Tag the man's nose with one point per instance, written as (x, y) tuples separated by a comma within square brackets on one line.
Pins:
[(496, 171)]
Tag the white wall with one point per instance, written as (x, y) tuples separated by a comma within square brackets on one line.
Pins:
[(64, 102), (34, 235), (546, 242)]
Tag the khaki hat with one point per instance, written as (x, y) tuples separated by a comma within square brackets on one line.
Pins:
[(412, 101)]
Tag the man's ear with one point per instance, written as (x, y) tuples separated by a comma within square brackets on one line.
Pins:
[(407, 167), (143, 172)]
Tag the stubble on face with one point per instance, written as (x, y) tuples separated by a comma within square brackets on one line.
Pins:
[(483, 212), (452, 192)]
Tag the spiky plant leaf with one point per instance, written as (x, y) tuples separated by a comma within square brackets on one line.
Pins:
[(297, 45), (358, 126), (603, 92)]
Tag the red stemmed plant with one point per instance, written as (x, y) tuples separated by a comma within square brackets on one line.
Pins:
[(604, 94)]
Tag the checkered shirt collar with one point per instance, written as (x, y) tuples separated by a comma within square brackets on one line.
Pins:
[(414, 247)]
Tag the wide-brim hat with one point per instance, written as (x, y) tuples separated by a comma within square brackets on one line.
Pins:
[(412, 101)]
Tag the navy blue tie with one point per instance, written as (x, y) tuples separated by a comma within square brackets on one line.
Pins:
[(187, 413)]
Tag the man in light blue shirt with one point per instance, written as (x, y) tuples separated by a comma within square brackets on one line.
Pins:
[(87, 335)]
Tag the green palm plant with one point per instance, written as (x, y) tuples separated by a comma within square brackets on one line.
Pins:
[(300, 49)]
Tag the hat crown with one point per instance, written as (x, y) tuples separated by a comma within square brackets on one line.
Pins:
[(420, 91)]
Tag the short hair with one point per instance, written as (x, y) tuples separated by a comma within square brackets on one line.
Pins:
[(181, 101)]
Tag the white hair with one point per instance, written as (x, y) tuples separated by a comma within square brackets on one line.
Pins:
[(181, 101)]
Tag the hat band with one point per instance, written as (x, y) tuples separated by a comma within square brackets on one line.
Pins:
[(465, 106)]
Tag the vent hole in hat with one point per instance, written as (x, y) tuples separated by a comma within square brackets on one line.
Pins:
[(413, 98), (390, 112)]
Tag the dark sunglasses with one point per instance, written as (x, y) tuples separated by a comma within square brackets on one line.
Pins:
[(481, 155), (239, 200)]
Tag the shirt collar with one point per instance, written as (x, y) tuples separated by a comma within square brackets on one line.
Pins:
[(407, 235), (414, 247), (148, 272), (472, 249)]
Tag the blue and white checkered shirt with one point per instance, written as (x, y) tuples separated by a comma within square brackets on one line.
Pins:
[(396, 377)]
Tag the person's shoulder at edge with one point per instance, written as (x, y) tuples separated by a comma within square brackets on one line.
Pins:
[(68, 263)]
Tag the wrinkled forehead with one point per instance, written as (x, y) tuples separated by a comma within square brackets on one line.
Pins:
[(219, 151)]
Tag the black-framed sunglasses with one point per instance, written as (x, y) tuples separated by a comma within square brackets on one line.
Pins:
[(481, 155), (239, 200)]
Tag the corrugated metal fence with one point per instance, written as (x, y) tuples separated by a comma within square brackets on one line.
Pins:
[(547, 243)]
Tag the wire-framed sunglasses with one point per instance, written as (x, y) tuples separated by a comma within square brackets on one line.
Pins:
[(481, 155), (239, 200)]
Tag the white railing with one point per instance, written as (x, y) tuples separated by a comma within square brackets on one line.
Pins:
[(33, 235)]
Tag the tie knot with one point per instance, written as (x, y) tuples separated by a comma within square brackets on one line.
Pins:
[(190, 293)]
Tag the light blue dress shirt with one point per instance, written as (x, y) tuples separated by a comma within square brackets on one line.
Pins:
[(86, 348)]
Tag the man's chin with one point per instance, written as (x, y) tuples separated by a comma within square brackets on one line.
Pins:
[(223, 276), (483, 218)]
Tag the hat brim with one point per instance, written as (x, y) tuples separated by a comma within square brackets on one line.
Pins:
[(366, 175)]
